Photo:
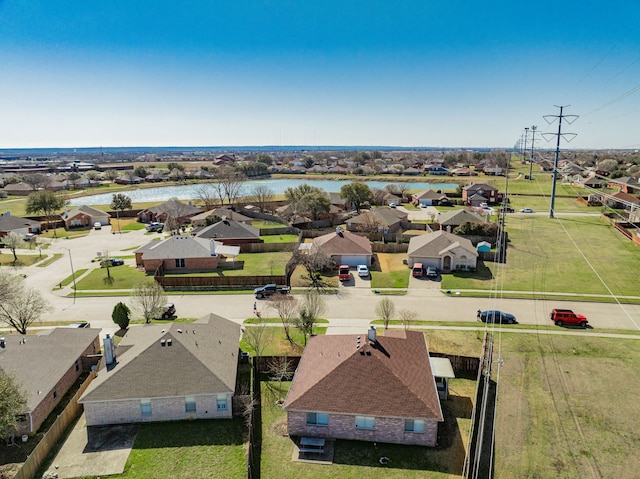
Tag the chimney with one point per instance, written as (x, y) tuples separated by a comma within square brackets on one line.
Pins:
[(109, 350), (372, 334), (212, 247)]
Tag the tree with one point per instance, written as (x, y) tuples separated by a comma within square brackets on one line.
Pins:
[(265, 158), (385, 309), (140, 171), (609, 165), (73, 178), (357, 193), (230, 182), (121, 315), (20, 306), (120, 202), (148, 300), (261, 195), (286, 306), (308, 199), (258, 337), (314, 263), (175, 166), (406, 317), (313, 306), (208, 192), (13, 402), (111, 174), (45, 202), (36, 180), (13, 241)]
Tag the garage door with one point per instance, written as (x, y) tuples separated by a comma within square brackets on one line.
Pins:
[(355, 260)]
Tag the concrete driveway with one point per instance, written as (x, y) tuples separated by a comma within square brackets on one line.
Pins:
[(94, 451)]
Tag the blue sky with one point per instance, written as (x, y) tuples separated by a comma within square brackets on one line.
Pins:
[(249, 72)]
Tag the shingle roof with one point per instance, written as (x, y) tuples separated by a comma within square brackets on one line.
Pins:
[(393, 379), (41, 361), (175, 208), (428, 195), (480, 186), (457, 217), (220, 212), (87, 210), (202, 359), (181, 246), (228, 229), (433, 245), (345, 243), (10, 223)]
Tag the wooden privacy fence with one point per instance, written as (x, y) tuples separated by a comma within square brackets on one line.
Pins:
[(205, 283), (52, 436), (267, 247), (462, 365), (389, 247)]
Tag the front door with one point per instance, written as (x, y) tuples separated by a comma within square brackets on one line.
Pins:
[(446, 263)]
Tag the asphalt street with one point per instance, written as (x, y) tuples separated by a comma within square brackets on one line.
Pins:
[(349, 311)]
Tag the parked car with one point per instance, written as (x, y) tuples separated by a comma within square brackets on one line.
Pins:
[(495, 316), (97, 225), (418, 270), (113, 261), (526, 210), (155, 227), (392, 205), (363, 271), (168, 311), (507, 209), (270, 289), (83, 324), (432, 272), (344, 273), (566, 316), (30, 237)]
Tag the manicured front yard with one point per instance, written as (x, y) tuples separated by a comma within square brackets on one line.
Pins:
[(389, 271), (279, 238), (124, 277), (23, 259)]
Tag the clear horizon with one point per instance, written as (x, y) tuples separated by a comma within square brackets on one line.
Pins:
[(414, 74)]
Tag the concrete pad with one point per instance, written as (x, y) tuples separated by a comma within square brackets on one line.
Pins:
[(95, 451)]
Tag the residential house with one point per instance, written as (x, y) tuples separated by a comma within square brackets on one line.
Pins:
[(438, 170), (46, 365), (172, 209), (488, 192), (224, 159), (442, 250), (184, 254), (382, 219), (493, 171), (626, 184), (411, 171), (18, 189), (452, 219), (229, 232), (594, 182), (164, 372), (84, 217), (218, 214), (21, 226), (621, 200), (429, 198), (365, 388), (344, 247), (463, 171), (128, 179)]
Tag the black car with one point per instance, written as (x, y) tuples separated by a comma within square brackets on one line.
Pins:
[(113, 261), (495, 316), (168, 311)]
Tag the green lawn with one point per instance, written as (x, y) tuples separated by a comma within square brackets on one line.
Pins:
[(61, 233), (50, 259), (124, 277), (276, 338), (23, 259), (546, 255), (264, 224), (69, 279), (260, 264), (188, 450), (279, 238)]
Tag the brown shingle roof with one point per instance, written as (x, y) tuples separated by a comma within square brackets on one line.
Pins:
[(345, 243), (394, 380)]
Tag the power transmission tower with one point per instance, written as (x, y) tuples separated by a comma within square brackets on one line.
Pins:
[(524, 145), (569, 119), (533, 140)]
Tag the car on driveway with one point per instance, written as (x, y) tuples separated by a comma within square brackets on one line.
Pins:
[(495, 316), (432, 272), (155, 227), (526, 210), (363, 271), (97, 226)]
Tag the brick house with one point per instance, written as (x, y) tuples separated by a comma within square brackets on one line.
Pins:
[(344, 247), (183, 254), (229, 232), (365, 388), (488, 192), (429, 198), (167, 373), (84, 217), (444, 251), (172, 209), (626, 184), (46, 365)]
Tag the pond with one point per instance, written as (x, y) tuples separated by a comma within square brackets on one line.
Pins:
[(278, 187)]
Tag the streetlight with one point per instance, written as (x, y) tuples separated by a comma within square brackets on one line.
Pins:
[(73, 275)]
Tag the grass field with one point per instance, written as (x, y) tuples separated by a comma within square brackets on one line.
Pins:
[(124, 277), (389, 271), (23, 259), (279, 238), (277, 341)]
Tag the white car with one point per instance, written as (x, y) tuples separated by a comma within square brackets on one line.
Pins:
[(363, 271), (526, 210), (97, 226)]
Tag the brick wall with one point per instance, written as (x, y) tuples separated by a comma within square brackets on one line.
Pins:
[(162, 409), (342, 426)]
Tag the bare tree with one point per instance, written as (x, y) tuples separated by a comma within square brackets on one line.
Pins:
[(286, 306), (111, 174), (210, 194), (231, 181), (406, 317), (20, 306), (385, 309), (148, 300), (13, 241), (13, 402), (261, 195), (36, 181), (313, 306), (258, 337), (280, 369), (314, 264)]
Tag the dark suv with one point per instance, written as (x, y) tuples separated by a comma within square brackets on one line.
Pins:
[(168, 311), (566, 316)]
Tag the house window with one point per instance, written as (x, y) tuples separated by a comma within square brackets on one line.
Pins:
[(55, 394), (190, 404), (414, 425), (365, 422), (77, 366), (221, 402), (179, 262), (145, 407), (462, 264), (317, 419)]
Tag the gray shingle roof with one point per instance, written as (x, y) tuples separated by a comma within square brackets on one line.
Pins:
[(457, 217), (87, 210), (433, 245), (10, 223), (229, 229), (202, 359), (182, 246), (345, 243)]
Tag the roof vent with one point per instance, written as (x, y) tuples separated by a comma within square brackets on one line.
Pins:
[(179, 330), (169, 342), (162, 342)]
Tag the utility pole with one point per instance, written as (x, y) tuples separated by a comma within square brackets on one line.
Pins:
[(570, 119), (524, 146), (533, 140)]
